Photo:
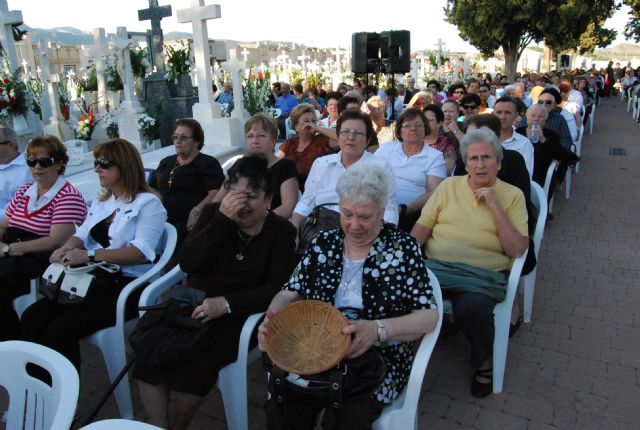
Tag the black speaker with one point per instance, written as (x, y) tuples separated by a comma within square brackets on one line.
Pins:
[(395, 51), (365, 52), (359, 53)]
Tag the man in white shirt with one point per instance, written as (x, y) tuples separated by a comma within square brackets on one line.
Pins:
[(13, 167), (505, 110)]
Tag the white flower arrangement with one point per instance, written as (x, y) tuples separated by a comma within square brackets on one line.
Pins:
[(147, 125), (110, 124)]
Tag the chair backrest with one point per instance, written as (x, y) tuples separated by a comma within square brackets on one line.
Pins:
[(227, 164), (166, 246), (33, 403), (547, 180), (539, 200), (120, 425), (403, 411)]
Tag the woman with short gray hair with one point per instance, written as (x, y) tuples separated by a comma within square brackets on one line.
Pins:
[(371, 266), (473, 227)]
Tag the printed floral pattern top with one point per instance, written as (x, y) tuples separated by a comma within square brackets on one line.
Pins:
[(395, 282)]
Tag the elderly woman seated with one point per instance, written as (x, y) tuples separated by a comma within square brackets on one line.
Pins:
[(418, 167), (372, 266), (473, 226), (240, 254), (355, 130)]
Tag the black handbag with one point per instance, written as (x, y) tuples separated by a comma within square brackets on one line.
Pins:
[(350, 379), (72, 286), (178, 309), (321, 218)]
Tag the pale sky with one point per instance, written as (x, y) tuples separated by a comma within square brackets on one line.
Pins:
[(328, 23)]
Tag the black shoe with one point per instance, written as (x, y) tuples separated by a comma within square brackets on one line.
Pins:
[(550, 216), (482, 389), (513, 328)]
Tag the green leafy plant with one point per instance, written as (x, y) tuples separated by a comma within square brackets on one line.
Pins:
[(178, 60), (113, 78), (257, 88), (90, 83), (35, 87), (139, 60), (13, 91)]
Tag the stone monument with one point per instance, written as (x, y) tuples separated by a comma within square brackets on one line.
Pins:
[(56, 125), (222, 131)]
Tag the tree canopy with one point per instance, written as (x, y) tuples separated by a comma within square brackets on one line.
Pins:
[(513, 24), (632, 28)]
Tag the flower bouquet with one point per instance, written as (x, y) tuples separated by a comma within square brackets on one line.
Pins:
[(148, 127), (110, 124), (84, 128), (178, 60), (257, 88), (13, 97)]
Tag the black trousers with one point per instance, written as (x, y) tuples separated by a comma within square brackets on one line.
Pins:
[(473, 313), (62, 327), (300, 414)]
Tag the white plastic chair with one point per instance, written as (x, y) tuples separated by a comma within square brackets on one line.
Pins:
[(502, 320), (539, 200), (591, 117), (547, 182), (579, 147), (112, 340), (403, 412), (33, 404), (21, 303), (227, 164), (289, 128), (232, 379), (119, 425)]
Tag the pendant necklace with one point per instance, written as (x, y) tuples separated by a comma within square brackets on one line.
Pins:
[(172, 172), (242, 247)]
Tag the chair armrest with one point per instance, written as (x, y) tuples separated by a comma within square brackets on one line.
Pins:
[(245, 336), (158, 287)]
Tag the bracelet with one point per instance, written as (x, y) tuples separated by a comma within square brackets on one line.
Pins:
[(196, 209)]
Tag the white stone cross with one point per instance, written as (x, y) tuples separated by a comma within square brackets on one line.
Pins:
[(123, 44), (283, 59), (24, 67), (49, 110), (337, 53), (234, 67), (245, 54), (99, 51), (303, 58), (7, 20), (198, 15)]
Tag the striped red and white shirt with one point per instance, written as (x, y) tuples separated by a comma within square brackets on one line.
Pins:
[(67, 206)]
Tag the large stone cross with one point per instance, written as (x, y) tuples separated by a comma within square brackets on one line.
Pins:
[(123, 44), (198, 15), (155, 14), (283, 59), (234, 67), (99, 50), (303, 58), (245, 54), (48, 106), (7, 20)]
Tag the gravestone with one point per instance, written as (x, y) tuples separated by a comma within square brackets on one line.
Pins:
[(155, 14), (7, 20), (56, 125), (99, 50), (207, 111), (235, 68), (130, 109)]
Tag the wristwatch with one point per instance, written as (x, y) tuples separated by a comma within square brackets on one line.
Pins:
[(91, 253), (5, 249), (382, 330)]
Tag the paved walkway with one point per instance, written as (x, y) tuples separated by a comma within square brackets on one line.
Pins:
[(577, 364)]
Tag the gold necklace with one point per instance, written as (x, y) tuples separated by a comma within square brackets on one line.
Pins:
[(172, 172), (241, 239)]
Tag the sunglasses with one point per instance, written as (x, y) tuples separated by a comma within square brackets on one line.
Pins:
[(546, 102), (469, 106), (103, 163), (42, 161)]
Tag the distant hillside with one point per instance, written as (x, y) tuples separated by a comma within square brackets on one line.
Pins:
[(621, 50)]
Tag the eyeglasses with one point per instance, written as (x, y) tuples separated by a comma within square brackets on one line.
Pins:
[(180, 137), (348, 132), (545, 102), (469, 107), (42, 161), (103, 163), (416, 125), (255, 136)]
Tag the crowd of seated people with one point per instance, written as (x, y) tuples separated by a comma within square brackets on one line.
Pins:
[(378, 170)]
